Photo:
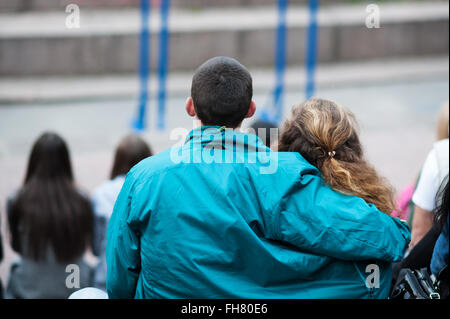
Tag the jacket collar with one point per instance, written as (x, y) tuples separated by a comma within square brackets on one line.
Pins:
[(223, 138)]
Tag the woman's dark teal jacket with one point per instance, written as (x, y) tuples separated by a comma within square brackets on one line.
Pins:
[(216, 218)]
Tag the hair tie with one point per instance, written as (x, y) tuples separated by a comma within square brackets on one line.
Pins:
[(332, 154)]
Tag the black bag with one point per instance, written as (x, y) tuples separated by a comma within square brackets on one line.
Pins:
[(416, 284)]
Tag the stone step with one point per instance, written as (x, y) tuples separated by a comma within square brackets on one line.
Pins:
[(14, 90), (38, 43)]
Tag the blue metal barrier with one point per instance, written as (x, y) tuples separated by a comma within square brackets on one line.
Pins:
[(311, 49), (274, 112), (164, 43), (139, 123)]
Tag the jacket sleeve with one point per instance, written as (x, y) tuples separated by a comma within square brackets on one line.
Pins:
[(122, 247), (323, 221)]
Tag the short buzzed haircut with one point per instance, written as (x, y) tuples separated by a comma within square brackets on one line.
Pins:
[(222, 91)]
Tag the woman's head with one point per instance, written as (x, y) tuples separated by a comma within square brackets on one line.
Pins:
[(322, 130), (327, 136), (49, 159), (131, 150)]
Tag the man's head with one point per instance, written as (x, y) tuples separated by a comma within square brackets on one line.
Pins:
[(221, 93)]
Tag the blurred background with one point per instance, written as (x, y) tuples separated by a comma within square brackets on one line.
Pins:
[(84, 83)]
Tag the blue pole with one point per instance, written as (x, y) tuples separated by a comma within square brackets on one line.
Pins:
[(311, 49), (280, 59), (163, 63), (274, 112), (144, 66)]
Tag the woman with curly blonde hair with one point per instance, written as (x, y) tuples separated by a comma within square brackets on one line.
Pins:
[(326, 135)]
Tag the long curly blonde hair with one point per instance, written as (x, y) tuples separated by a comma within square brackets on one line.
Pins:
[(326, 135)]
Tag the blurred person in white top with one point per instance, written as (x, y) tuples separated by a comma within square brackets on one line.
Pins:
[(130, 151), (435, 169)]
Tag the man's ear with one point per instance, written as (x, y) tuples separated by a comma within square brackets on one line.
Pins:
[(251, 110), (190, 107)]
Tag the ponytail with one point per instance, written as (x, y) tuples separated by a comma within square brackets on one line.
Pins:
[(325, 134)]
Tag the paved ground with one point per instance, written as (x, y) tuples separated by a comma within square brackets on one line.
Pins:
[(397, 116)]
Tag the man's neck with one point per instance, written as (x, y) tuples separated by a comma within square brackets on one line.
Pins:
[(198, 124)]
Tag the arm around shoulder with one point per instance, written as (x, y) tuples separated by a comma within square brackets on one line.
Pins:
[(324, 221)]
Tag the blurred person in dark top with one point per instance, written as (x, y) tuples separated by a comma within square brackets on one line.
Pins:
[(266, 132), (51, 224), (431, 251)]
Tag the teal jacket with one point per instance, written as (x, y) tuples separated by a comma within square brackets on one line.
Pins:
[(221, 216)]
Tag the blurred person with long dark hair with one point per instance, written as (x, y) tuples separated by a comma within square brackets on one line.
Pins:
[(439, 259), (431, 251), (51, 224), (440, 254), (130, 151)]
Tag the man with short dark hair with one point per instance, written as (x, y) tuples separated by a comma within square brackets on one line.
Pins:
[(223, 216), (222, 89)]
